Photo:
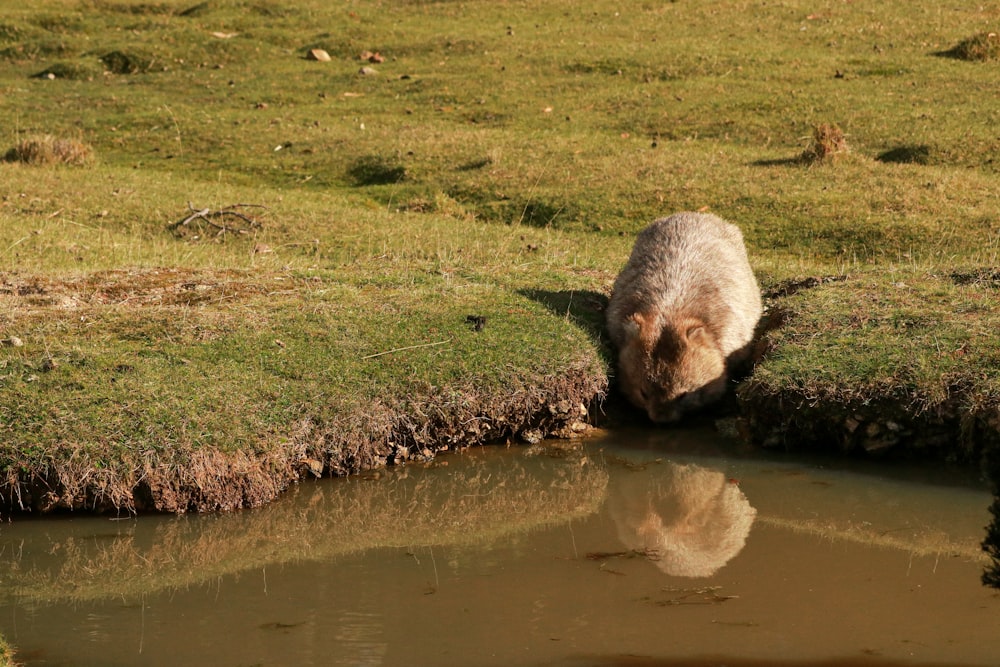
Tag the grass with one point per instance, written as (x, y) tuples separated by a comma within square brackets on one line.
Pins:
[(6, 654), (47, 149), (294, 328), (881, 358), (496, 165), (980, 47), (828, 143)]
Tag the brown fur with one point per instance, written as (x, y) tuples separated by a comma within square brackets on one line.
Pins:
[(682, 314)]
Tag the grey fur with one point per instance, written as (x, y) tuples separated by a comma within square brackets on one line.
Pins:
[(683, 313)]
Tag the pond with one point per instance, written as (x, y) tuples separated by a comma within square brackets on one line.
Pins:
[(661, 547)]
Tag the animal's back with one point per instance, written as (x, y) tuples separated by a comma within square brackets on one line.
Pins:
[(690, 263), (683, 311)]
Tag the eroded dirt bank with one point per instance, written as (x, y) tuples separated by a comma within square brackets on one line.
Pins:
[(211, 480)]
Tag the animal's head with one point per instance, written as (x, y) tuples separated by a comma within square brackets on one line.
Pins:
[(669, 367)]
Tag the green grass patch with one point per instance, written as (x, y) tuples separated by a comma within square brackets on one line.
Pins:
[(873, 359), (331, 336)]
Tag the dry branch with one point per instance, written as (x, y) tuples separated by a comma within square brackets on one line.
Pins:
[(221, 220), (408, 347)]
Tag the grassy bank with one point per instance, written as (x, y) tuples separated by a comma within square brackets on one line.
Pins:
[(432, 219)]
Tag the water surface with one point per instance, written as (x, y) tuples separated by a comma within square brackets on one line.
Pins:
[(648, 548)]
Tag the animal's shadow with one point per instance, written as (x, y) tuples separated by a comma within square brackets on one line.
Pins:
[(584, 308)]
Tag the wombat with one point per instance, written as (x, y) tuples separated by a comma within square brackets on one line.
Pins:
[(682, 314)]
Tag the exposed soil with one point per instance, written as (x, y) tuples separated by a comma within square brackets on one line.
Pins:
[(788, 419)]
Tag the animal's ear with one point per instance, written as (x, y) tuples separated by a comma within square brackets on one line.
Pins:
[(696, 332), (637, 325)]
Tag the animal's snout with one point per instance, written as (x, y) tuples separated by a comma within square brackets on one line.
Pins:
[(664, 414)]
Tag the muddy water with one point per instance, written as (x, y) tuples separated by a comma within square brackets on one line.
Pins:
[(653, 548)]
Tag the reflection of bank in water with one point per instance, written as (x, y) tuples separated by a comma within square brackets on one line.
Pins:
[(690, 520), (472, 498)]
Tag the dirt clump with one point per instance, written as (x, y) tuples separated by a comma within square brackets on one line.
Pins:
[(981, 47), (828, 142)]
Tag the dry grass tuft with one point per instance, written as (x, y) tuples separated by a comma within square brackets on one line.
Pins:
[(6, 654), (46, 149), (981, 47), (828, 142)]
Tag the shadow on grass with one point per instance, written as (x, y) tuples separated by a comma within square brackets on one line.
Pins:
[(917, 154), (585, 309), (781, 162), (978, 48), (375, 170), (582, 307)]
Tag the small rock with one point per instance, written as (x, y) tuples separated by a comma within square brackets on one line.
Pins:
[(532, 436), (561, 408), (873, 445), (372, 57), (367, 71), (313, 466), (319, 55), (13, 341), (727, 427)]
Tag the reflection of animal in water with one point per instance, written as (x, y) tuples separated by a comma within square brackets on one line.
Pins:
[(682, 314), (692, 520)]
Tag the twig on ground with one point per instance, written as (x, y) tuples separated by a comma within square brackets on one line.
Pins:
[(215, 219), (648, 554), (707, 595), (408, 347)]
